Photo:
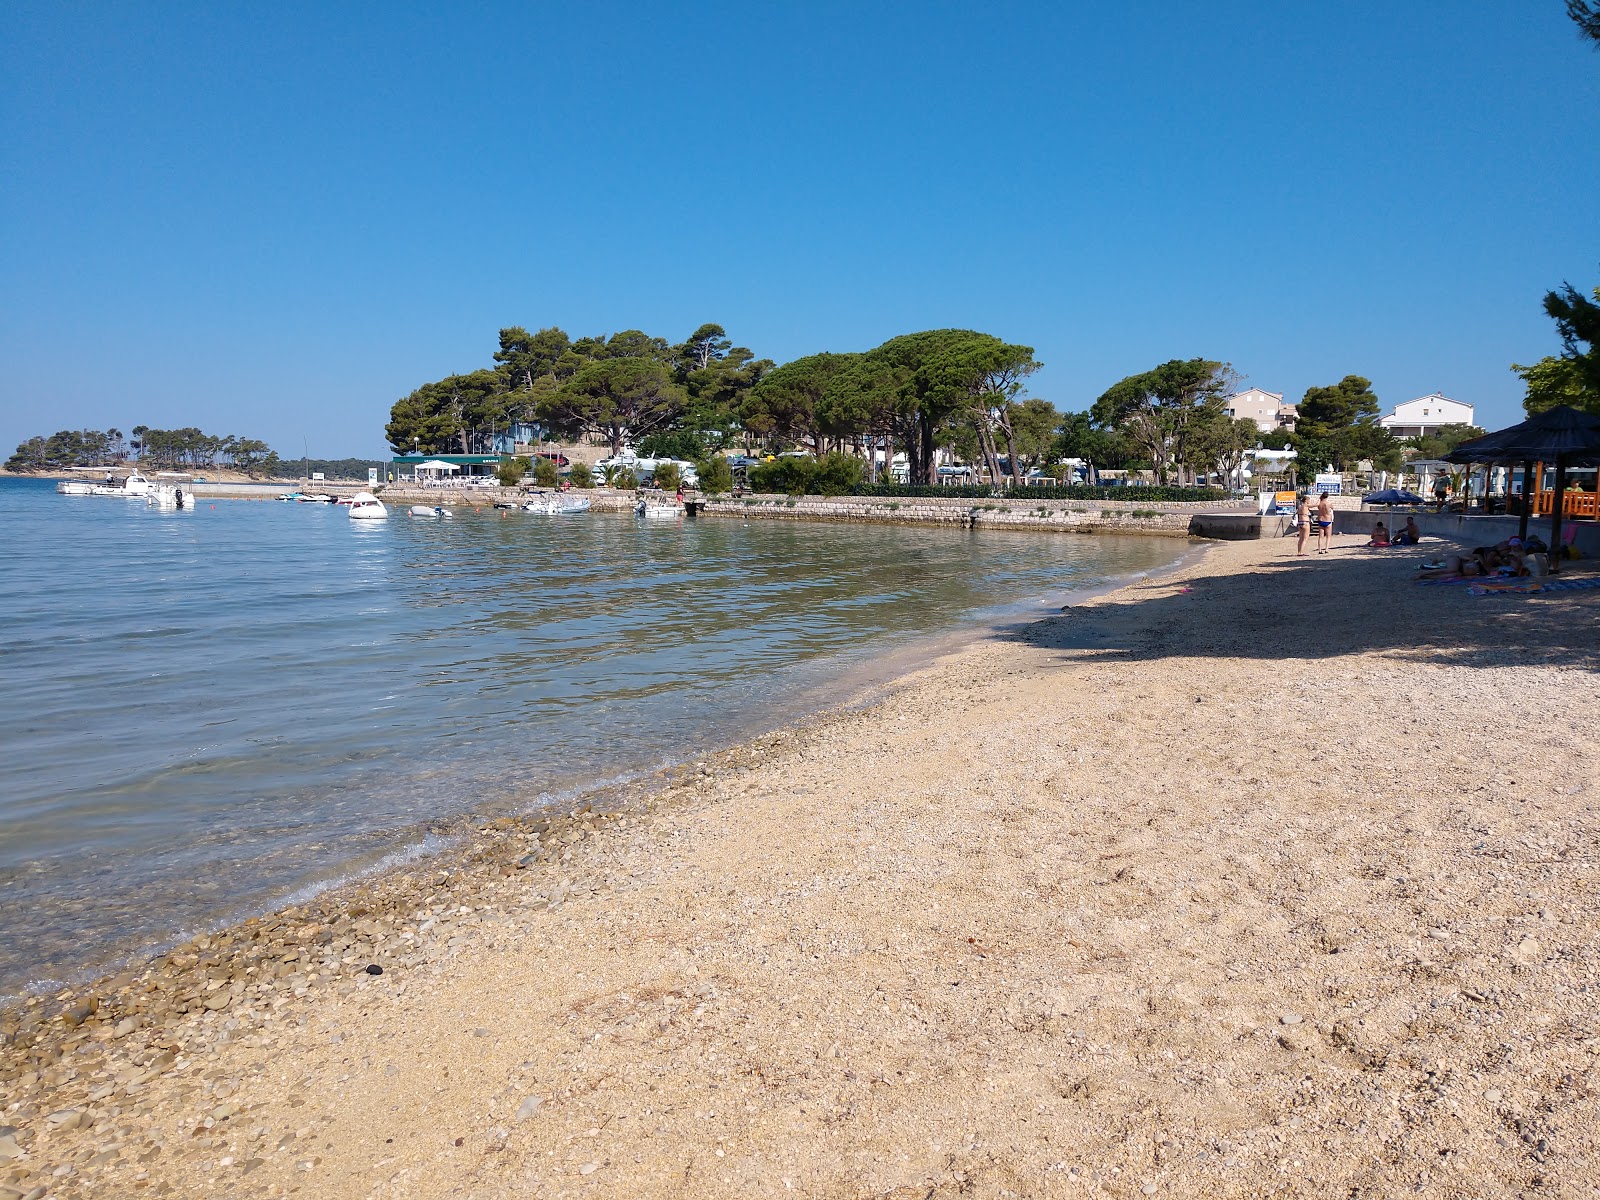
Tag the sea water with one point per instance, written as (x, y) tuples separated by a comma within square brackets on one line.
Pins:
[(203, 714)]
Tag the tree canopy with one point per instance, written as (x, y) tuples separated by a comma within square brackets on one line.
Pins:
[(1166, 411), (1338, 424)]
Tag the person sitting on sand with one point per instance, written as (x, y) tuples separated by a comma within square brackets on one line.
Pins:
[(1410, 535), (1380, 536)]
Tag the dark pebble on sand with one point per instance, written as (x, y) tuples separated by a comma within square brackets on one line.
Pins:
[(374, 969)]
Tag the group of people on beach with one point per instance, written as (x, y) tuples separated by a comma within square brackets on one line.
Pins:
[(1512, 557), (1409, 536), (1324, 518)]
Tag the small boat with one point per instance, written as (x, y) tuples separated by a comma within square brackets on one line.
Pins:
[(557, 506), (657, 511), (134, 485), (291, 496), (423, 510), (316, 498), (367, 507), (167, 495)]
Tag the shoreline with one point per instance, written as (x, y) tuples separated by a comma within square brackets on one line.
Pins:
[(862, 683), (1050, 819)]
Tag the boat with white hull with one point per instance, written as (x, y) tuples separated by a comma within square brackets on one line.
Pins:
[(557, 506), (135, 485), (367, 507), (424, 510)]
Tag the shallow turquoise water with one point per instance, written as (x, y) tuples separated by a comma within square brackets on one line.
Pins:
[(204, 713)]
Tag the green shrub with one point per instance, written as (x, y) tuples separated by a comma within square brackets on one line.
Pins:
[(831, 475), (716, 476), (582, 475), (1148, 494), (621, 477), (511, 471), (668, 476)]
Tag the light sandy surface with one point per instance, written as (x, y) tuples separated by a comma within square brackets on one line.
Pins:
[(1273, 876)]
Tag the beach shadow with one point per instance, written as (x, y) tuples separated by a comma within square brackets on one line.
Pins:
[(1349, 602)]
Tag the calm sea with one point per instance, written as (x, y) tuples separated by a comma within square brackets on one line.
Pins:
[(205, 713)]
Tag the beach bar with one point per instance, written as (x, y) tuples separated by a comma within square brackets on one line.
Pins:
[(1563, 437)]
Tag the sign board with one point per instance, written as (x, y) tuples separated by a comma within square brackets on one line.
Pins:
[(1329, 485), (1283, 503), (372, 476), (318, 475)]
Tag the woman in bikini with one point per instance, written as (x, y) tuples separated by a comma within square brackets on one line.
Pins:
[(1302, 522)]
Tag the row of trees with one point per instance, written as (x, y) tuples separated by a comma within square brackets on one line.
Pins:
[(956, 390), (162, 448), (916, 393)]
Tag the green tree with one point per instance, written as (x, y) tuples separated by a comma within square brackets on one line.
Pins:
[(1444, 439), (686, 444), (791, 402), (1224, 443), (1099, 449), (1586, 15), (1339, 425), (1577, 319), (715, 475), (1162, 411), (620, 399), (582, 475), (1551, 382)]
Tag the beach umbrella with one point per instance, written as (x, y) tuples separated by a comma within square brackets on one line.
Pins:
[(1564, 436), (1393, 496)]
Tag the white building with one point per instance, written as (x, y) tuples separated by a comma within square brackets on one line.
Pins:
[(1266, 409), (1425, 414)]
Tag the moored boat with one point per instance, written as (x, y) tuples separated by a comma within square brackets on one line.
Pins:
[(423, 510), (367, 507), (557, 506), (134, 484)]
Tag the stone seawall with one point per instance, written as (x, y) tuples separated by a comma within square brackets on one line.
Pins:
[(1075, 516)]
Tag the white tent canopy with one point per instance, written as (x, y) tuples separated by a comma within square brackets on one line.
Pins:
[(435, 466)]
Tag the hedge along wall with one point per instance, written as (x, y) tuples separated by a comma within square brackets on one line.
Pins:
[(1140, 494), (1056, 517)]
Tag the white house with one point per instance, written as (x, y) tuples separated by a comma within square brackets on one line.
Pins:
[(1266, 409), (1425, 414)]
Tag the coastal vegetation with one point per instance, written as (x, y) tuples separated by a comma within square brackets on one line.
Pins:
[(165, 449)]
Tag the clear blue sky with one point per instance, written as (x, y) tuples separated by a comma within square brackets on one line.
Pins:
[(273, 219)]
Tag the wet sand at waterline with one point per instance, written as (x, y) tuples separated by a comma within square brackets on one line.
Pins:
[(1273, 875)]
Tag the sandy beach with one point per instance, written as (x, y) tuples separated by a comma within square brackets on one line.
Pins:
[(1271, 876)]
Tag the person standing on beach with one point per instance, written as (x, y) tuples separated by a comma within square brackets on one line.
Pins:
[(1302, 523), (1324, 524)]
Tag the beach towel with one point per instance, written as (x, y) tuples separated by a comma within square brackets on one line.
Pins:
[(1490, 587)]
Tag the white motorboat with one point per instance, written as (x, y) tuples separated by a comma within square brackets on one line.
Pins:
[(316, 498), (367, 507), (657, 511), (168, 495), (134, 485), (557, 506), (423, 510)]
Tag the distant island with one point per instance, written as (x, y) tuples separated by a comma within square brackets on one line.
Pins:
[(187, 450)]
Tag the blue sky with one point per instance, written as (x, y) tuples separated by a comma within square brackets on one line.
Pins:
[(275, 219)]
